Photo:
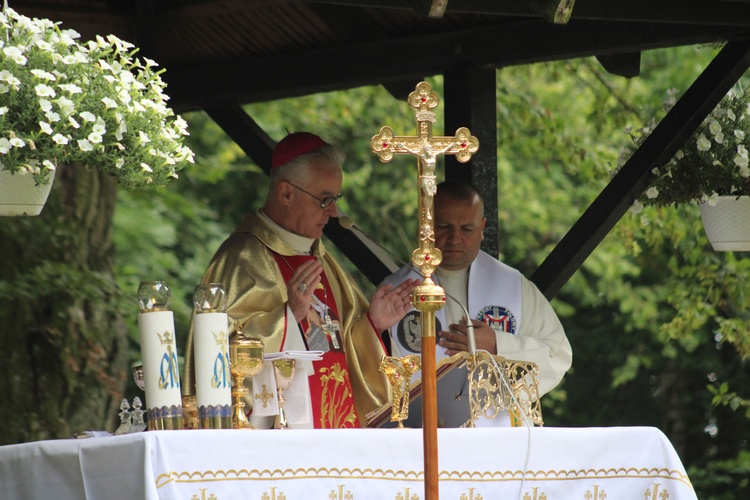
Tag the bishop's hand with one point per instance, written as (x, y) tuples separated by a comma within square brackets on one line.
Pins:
[(389, 304), (301, 287)]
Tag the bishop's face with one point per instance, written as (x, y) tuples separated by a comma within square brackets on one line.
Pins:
[(459, 226), (306, 217)]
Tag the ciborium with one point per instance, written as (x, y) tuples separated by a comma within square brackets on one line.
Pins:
[(245, 360), (283, 373)]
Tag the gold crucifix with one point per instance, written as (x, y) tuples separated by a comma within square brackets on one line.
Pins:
[(428, 297), (426, 148)]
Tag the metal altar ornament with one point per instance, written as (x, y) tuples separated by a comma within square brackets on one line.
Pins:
[(490, 395), (427, 297), (399, 372), (245, 360)]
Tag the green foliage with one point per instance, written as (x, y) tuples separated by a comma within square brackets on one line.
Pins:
[(652, 314)]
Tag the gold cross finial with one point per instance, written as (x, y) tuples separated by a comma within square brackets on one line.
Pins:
[(426, 148)]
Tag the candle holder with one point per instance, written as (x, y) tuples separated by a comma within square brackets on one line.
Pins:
[(245, 360)]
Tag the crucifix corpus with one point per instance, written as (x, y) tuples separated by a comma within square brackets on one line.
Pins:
[(428, 297)]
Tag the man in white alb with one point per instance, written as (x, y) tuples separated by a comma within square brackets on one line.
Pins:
[(510, 315)]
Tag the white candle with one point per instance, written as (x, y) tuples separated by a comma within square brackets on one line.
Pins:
[(160, 368), (213, 382)]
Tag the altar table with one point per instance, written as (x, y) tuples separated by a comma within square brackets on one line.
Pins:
[(474, 464)]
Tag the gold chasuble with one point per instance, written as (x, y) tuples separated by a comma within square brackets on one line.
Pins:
[(253, 265)]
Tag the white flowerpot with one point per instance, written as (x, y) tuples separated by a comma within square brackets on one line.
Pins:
[(20, 196), (727, 224)]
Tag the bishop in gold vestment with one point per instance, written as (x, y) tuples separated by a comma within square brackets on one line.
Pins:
[(276, 270)]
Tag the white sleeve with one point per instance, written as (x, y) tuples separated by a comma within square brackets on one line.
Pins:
[(541, 339)]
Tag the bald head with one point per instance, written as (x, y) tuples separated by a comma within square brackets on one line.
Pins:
[(459, 223)]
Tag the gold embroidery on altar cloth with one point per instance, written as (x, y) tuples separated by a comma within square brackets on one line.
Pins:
[(335, 393), (471, 495), (405, 495), (537, 495), (597, 494), (339, 494), (273, 495), (656, 492), (653, 493), (203, 496)]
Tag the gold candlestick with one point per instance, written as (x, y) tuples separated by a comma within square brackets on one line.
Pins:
[(245, 360)]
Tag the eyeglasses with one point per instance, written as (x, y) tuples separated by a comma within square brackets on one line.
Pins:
[(324, 202)]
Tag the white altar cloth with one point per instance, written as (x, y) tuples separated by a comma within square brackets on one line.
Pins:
[(359, 464)]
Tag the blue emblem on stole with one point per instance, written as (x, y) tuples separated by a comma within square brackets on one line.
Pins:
[(409, 331), (498, 318)]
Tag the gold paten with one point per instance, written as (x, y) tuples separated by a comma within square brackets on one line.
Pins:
[(245, 360), (399, 372), (489, 395)]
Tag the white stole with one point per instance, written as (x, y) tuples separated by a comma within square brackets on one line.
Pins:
[(494, 297)]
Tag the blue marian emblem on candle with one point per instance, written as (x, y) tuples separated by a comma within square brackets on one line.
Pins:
[(168, 373), (220, 377)]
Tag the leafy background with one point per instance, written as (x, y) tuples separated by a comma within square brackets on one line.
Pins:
[(657, 320)]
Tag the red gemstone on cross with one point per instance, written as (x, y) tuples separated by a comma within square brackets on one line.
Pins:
[(427, 258), (422, 298), (463, 145), (385, 144)]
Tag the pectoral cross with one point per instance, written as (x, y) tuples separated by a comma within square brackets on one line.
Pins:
[(426, 148), (331, 329)]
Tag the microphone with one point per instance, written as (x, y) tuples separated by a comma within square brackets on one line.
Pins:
[(346, 222), (472, 342), (386, 256)]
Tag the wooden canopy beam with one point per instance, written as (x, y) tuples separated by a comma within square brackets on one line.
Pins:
[(497, 45), (630, 182)]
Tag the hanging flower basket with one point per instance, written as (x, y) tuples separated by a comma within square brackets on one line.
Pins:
[(92, 103), (727, 223), (21, 195)]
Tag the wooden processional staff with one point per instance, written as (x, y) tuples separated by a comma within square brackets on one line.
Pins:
[(427, 297)]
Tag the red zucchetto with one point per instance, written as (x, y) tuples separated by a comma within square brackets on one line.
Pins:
[(294, 145)]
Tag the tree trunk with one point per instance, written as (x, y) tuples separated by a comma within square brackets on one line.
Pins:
[(61, 331)]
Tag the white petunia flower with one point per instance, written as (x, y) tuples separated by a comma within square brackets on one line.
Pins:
[(17, 142), (110, 103), (15, 54), (5, 145), (85, 145), (703, 144), (43, 90), (88, 116), (46, 128), (60, 139)]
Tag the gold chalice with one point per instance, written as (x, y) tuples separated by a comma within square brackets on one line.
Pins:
[(245, 360), (283, 372)]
